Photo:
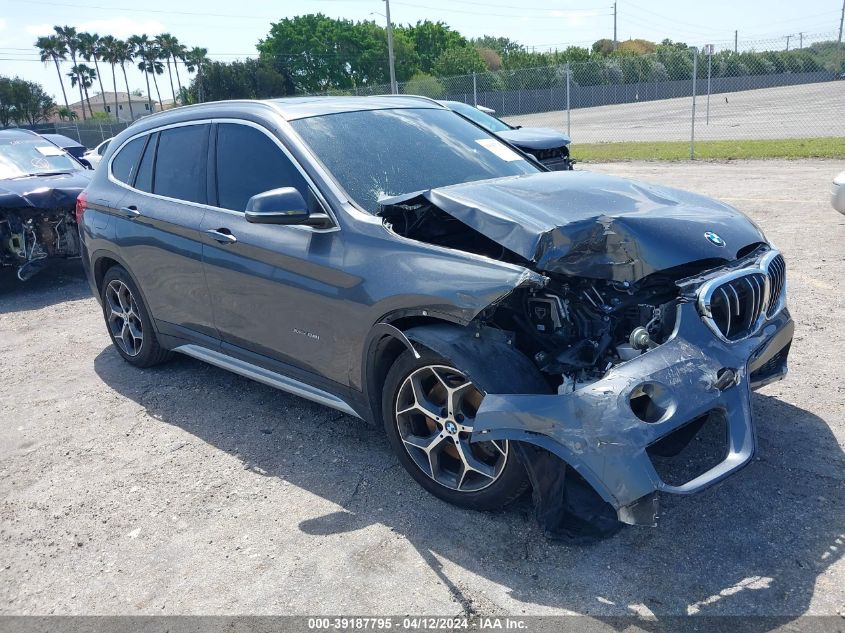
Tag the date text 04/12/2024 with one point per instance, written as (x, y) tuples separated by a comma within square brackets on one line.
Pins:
[(410, 623)]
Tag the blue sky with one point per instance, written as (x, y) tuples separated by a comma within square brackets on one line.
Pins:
[(230, 30)]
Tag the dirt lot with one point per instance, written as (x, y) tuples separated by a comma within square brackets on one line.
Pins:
[(804, 111), (186, 489)]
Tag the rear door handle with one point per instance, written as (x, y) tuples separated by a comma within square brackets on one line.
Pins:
[(224, 236), (130, 212)]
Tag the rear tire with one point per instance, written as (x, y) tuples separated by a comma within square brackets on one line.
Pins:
[(431, 438), (128, 321)]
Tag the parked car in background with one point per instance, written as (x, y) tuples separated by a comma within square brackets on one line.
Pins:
[(39, 183), (93, 156), (72, 147), (837, 196), (390, 259), (548, 146)]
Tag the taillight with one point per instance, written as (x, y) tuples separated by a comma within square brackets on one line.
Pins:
[(81, 201)]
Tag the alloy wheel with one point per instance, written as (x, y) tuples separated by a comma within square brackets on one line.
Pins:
[(124, 318), (435, 410)]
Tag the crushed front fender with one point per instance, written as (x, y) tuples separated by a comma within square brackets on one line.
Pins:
[(604, 431)]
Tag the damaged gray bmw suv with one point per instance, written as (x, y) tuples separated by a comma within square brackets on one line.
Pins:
[(509, 326)]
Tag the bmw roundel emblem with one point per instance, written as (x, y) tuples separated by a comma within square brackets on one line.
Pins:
[(714, 239)]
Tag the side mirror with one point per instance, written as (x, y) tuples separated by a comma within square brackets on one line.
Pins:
[(277, 206)]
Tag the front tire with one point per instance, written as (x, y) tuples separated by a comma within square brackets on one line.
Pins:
[(128, 320), (428, 407)]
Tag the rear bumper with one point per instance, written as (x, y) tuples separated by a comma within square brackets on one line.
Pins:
[(599, 433)]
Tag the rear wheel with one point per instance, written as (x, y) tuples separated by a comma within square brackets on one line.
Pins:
[(128, 320), (429, 409)]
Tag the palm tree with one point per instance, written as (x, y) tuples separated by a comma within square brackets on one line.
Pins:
[(168, 46), (153, 66), (67, 34), (123, 52), (107, 52), (66, 114), (195, 59), (51, 47), (89, 48), (140, 45), (178, 52), (84, 76)]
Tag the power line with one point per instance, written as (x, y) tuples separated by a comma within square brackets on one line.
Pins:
[(492, 4), (76, 6)]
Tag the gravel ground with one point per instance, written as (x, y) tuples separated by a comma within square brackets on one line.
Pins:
[(189, 490), (803, 111)]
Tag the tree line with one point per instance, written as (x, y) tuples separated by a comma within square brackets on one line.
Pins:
[(315, 54), (152, 56), (23, 102), (312, 54)]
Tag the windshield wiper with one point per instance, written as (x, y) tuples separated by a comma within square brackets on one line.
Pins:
[(43, 173)]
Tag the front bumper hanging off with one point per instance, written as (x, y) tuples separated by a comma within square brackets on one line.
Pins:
[(604, 430)]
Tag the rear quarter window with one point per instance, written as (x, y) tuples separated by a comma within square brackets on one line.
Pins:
[(125, 163), (144, 180)]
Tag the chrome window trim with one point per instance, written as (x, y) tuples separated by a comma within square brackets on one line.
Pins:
[(710, 287), (208, 121)]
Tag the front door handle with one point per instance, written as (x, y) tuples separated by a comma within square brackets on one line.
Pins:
[(224, 236), (130, 212)]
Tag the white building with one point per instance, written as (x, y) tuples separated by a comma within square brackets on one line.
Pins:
[(140, 106)]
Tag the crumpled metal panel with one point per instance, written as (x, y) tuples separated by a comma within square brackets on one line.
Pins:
[(48, 192), (595, 430), (590, 225)]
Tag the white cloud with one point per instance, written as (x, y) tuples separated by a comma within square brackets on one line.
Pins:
[(122, 27)]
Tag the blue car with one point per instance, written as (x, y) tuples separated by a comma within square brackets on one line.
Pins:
[(39, 184), (548, 146)]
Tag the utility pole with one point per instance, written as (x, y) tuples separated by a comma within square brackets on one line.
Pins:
[(841, 20), (692, 123), (787, 42), (614, 28), (568, 119), (801, 40), (394, 89), (736, 41), (709, 50)]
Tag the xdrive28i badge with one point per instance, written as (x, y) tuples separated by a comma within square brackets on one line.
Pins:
[(714, 239)]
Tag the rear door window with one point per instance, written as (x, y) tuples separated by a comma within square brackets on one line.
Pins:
[(180, 163), (250, 162), (125, 163)]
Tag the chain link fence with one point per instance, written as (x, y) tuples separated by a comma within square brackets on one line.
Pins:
[(88, 133), (675, 94)]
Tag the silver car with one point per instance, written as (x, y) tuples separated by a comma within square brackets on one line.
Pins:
[(837, 194)]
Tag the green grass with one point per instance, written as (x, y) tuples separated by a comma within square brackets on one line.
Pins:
[(830, 147)]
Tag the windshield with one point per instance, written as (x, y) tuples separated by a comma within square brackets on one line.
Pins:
[(32, 157), (482, 118), (381, 153)]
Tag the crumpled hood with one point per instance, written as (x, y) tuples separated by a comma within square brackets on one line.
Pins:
[(44, 192), (590, 225), (535, 137)]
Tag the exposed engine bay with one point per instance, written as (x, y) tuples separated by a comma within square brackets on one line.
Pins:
[(575, 329), (28, 237)]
